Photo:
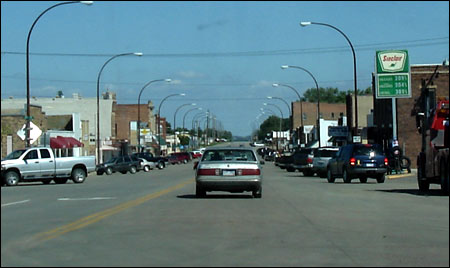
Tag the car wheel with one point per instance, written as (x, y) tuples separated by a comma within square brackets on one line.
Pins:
[(199, 191), (381, 178), (363, 179), (290, 169), (99, 172), (146, 168), (330, 177), (109, 171), (257, 194), (308, 173), (78, 175), (132, 169), (346, 177), (46, 181), (12, 178)]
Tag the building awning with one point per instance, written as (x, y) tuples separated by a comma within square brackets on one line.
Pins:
[(64, 142)]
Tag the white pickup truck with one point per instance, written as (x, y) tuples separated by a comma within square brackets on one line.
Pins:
[(40, 164)]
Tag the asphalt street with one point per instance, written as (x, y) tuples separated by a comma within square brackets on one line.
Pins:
[(155, 219)]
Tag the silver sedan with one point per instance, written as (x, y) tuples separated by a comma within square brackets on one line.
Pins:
[(229, 169)]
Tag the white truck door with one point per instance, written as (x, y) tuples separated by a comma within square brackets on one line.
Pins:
[(47, 163), (31, 167)]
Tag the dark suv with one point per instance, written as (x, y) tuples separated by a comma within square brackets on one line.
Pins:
[(358, 161), (121, 164)]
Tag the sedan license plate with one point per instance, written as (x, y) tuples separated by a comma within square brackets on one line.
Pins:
[(229, 173), (370, 165)]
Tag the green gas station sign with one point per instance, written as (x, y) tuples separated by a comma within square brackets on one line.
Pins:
[(393, 79)]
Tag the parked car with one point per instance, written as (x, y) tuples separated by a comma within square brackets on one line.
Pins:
[(320, 161), (229, 169), (303, 161), (183, 157), (145, 165), (173, 159), (358, 161), (121, 164), (40, 164), (196, 154), (159, 161)]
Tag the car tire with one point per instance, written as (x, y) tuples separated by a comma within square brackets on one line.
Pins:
[(346, 177), (160, 165), (133, 169), (146, 168), (109, 171), (363, 179), (199, 191), (308, 173), (12, 178), (257, 194), (381, 178), (330, 177), (290, 169), (99, 172), (78, 175)]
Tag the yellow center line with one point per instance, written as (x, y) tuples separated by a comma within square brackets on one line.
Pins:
[(83, 222)]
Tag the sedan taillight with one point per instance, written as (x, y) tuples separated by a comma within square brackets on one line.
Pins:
[(248, 172), (386, 161), (209, 172), (352, 161)]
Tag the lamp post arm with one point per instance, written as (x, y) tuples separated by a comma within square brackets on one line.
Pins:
[(27, 129), (354, 70)]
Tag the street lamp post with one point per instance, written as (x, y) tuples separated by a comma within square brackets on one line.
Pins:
[(174, 122), (290, 118), (28, 117), (99, 154), (318, 95), (281, 120), (304, 24), (139, 110), (159, 119), (184, 117), (301, 106)]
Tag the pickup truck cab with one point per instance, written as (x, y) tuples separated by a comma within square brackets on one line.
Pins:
[(40, 164)]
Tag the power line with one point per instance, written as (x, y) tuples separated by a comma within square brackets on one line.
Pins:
[(410, 43)]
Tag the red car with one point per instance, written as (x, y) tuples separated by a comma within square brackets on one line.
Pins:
[(182, 157)]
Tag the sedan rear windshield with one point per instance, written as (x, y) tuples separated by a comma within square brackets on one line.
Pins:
[(229, 155)]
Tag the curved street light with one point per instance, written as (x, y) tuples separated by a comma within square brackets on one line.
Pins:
[(168, 80), (318, 95), (99, 154), (301, 106), (28, 117), (159, 118), (306, 23), (174, 122)]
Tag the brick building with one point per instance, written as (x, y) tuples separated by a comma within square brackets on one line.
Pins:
[(408, 136)]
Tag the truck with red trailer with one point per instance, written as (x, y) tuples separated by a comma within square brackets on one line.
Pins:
[(432, 119)]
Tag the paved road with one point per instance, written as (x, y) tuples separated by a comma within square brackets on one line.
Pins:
[(154, 219)]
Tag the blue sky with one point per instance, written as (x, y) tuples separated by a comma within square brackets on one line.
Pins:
[(224, 56)]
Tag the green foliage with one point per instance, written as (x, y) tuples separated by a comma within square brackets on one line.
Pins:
[(331, 94), (272, 124)]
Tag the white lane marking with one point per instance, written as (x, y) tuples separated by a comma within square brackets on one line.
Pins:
[(86, 198), (15, 203)]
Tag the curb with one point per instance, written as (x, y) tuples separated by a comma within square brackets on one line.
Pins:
[(398, 176)]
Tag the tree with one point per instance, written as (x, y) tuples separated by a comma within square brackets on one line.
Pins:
[(331, 94), (272, 124)]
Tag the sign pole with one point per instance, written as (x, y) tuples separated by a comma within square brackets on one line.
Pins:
[(394, 119)]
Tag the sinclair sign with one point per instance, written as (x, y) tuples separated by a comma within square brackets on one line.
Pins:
[(392, 74)]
